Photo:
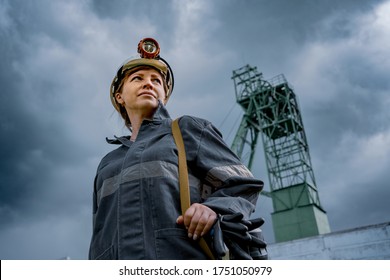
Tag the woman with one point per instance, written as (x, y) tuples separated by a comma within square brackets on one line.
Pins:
[(136, 202)]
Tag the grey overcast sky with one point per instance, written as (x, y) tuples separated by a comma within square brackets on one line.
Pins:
[(58, 59)]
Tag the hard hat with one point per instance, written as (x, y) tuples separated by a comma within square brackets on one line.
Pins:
[(149, 51)]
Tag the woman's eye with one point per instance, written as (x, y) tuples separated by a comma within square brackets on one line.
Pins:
[(157, 81), (136, 78)]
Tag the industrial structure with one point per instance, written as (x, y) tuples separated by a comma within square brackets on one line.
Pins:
[(271, 110)]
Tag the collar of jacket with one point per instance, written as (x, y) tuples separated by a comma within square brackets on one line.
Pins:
[(160, 115)]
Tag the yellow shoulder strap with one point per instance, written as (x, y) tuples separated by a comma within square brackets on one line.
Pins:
[(183, 180)]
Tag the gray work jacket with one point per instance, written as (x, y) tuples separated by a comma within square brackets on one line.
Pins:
[(136, 197)]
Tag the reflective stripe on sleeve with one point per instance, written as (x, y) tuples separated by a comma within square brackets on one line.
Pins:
[(218, 175)]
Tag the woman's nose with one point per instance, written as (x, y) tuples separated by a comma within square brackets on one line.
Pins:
[(148, 83)]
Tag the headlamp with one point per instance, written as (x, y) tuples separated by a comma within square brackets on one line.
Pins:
[(148, 48)]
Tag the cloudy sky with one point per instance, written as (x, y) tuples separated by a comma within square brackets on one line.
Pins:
[(58, 59)]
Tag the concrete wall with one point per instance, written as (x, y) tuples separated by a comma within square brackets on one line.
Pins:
[(370, 242)]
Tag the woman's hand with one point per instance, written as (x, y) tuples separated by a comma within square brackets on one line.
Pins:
[(198, 220)]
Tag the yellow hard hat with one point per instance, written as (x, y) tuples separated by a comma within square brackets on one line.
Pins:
[(149, 51)]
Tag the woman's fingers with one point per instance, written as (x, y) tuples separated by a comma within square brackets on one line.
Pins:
[(198, 220)]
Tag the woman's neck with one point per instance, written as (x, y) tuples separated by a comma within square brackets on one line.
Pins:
[(136, 122), (135, 126)]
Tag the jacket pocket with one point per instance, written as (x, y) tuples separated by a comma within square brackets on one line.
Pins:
[(107, 254), (174, 244)]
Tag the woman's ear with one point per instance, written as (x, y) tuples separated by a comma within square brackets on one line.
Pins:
[(118, 98)]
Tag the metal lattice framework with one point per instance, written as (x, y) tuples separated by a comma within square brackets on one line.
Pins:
[(271, 107)]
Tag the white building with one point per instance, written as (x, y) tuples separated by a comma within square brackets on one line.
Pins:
[(366, 243)]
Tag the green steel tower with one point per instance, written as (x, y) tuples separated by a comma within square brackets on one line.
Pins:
[(271, 107)]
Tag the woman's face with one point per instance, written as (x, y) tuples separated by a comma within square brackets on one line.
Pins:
[(141, 92)]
